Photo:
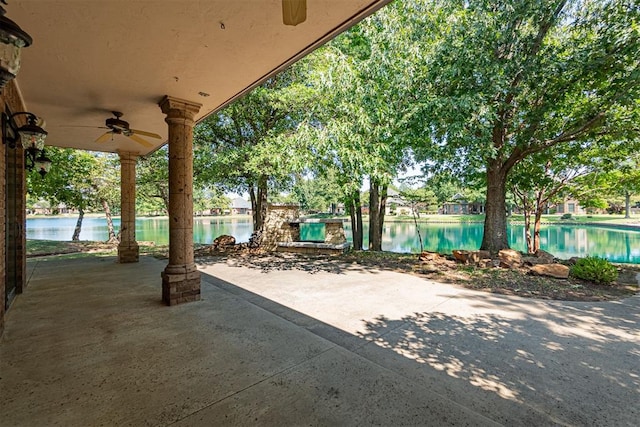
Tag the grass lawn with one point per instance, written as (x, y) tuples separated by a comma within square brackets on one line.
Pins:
[(505, 281), (548, 219)]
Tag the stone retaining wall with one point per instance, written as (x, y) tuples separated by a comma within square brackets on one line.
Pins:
[(278, 227)]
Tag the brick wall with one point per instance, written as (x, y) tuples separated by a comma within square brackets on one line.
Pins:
[(12, 165)]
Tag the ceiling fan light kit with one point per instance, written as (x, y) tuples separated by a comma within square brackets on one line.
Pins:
[(118, 126)]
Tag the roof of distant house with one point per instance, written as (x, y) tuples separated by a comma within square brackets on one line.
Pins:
[(240, 203)]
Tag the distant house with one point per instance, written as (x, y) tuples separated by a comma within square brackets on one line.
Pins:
[(338, 209), (240, 206), (571, 206), (460, 206), (44, 208), (396, 205)]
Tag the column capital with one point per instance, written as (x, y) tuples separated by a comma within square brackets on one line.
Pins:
[(128, 155), (179, 108)]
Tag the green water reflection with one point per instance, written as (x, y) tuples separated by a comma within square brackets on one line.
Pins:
[(563, 241)]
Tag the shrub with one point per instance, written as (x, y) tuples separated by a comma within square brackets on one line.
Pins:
[(594, 269), (566, 216)]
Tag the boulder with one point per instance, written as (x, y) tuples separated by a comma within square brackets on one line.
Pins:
[(224, 241), (533, 260), (558, 271), (545, 256), (429, 256), (472, 257), (573, 260), (510, 258), (426, 267), (460, 255)]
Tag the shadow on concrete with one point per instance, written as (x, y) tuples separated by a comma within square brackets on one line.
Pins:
[(272, 262), (579, 363), (512, 361), (555, 363)]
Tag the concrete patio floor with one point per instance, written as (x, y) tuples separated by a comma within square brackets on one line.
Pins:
[(311, 342)]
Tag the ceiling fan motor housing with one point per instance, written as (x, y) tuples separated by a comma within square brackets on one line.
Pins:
[(117, 125)]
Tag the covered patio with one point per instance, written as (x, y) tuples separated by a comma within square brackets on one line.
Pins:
[(91, 344), (129, 77), (307, 342)]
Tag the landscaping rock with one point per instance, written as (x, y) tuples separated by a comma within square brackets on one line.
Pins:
[(460, 255), (572, 260), (471, 257), (426, 268), (224, 241), (545, 256), (558, 271), (540, 257), (510, 258), (533, 260), (429, 256)]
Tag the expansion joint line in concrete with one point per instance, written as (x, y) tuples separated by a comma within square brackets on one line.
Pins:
[(287, 369), (35, 264)]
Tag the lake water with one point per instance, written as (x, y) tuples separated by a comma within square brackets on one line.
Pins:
[(564, 241)]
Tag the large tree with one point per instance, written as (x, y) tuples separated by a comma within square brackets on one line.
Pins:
[(250, 146), (364, 78), (505, 80)]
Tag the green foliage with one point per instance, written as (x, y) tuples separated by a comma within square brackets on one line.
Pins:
[(152, 176), (254, 137), (501, 81), (420, 199), (79, 179), (566, 216), (363, 83), (594, 269)]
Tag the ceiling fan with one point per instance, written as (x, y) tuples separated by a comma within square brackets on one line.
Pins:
[(118, 126)]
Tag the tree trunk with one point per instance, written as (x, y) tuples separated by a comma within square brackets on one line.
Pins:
[(254, 206), (416, 215), (536, 229), (527, 209), (527, 230), (76, 231), (627, 204), (357, 204), (383, 209), (495, 222), (112, 238), (355, 212), (375, 243), (541, 201), (164, 195), (377, 204), (261, 202)]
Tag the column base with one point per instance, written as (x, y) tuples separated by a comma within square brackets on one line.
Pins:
[(128, 253), (180, 284)]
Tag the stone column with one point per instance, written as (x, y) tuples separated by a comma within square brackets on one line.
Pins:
[(128, 250), (180, 279)]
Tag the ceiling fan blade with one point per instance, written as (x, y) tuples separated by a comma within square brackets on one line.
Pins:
[(147, 134), (80, 126), (140, 141), (105, 137), (294, 12)]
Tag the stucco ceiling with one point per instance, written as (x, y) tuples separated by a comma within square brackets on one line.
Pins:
[(89, 57)]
